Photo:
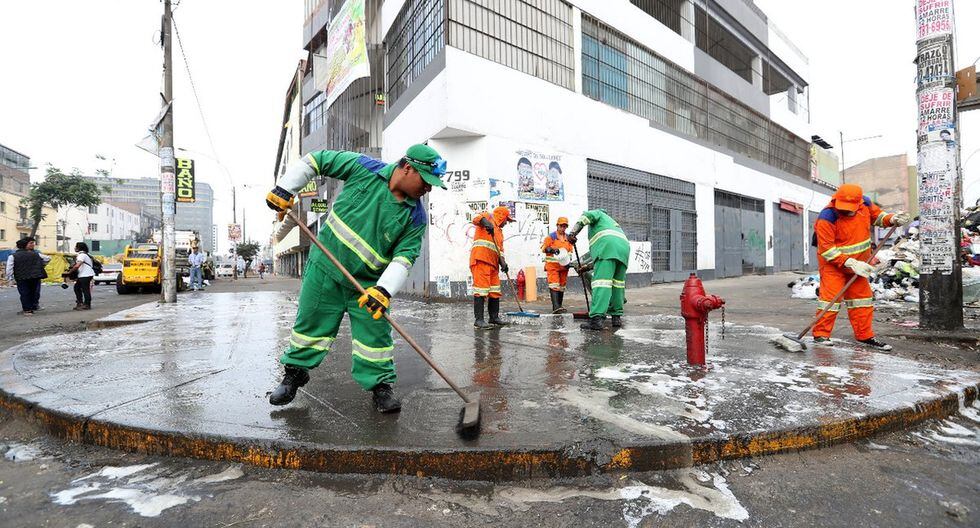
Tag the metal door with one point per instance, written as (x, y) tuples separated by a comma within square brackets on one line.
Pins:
[(728, 241), (787, 240), (809, 241), (753, 241)]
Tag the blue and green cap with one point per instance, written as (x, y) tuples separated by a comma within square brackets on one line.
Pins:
[(428, 162)]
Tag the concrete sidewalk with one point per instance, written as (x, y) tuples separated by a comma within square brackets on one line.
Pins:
[(192, 380)]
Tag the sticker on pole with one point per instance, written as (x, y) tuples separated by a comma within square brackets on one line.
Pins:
[(234, 232)]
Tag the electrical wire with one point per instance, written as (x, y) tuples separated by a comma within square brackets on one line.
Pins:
[(197, 98)]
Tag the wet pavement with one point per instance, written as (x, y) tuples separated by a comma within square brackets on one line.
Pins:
[(202, 369)]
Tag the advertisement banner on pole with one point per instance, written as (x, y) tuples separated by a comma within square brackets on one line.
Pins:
[(347, 58), (185, 180), (235, 232)]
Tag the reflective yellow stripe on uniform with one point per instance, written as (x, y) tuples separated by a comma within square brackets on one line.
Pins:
[(823, 304), (619, 284), (355, 243), (550, 259), (486, 244), (494, 289), (854, 249), (859, 303), (311, 161), (481, 291), (602, 283), (605, 233), (831, 253), (372, 354), (403, 261), (299, 340), (880, 221)]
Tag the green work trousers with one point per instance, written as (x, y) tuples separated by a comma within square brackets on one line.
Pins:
[(323, 302), (608, 288)]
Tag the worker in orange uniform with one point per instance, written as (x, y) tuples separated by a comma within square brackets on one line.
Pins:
[(486, 263), (843, 233), (557, 271)]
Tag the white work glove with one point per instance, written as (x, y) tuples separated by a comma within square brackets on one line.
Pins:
[(859, 268), (900, 218)]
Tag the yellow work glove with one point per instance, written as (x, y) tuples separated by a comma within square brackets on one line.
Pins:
[(279, 200), (376, 301)]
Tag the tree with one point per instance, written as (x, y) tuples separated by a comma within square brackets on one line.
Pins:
[(248, 251), (59, 189)]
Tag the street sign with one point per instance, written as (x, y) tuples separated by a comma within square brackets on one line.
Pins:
[(234, 232), (185, 180), (319, 206), (309, 190)]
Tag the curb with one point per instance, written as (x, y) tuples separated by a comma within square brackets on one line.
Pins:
[(573, 460)]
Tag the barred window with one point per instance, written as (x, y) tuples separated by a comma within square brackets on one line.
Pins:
[(314, 114), (531, 36), (621, 73), (414, 40)]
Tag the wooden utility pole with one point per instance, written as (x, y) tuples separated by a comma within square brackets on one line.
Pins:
[(168, 180)]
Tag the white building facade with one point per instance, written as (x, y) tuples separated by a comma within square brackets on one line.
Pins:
[(99, 222)]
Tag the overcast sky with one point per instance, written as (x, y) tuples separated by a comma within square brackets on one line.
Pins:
[(82, 78)]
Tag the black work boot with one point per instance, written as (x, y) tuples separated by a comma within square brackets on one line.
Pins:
[(617, 321), (556, 302), (478, 321), (874, 342), (595, 323), (384, 399), (294, 379), (493, 306)]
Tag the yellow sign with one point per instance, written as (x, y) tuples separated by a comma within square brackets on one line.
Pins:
[(185, 180), (309, 190)]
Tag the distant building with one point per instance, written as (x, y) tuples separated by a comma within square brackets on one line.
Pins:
[(289, 246), (197, 216), (99, 223), (15, 184), (889, 181)]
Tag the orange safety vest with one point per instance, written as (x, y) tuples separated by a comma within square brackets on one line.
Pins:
[(485, 247), (842, 237), (556, 241)]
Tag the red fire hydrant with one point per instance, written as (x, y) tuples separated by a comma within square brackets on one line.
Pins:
[(695, 305), (521, 284)]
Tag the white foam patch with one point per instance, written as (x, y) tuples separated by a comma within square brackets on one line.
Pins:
[(230, 473), (595, 403), (113, 473), (641, 500), (143, 503), (654, 336), (837, 372), (22, 452)]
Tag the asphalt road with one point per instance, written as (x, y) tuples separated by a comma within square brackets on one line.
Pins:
[(929, 476)]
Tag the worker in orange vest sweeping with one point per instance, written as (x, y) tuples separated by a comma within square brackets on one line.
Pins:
[(486, 263), (843, 233), (556, 249)]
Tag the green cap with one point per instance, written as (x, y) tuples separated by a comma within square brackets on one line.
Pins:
[(428, 162)]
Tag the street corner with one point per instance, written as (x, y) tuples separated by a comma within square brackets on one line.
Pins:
[(192, 379)]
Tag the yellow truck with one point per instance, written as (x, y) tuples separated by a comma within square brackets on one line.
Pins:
[(141, 269)]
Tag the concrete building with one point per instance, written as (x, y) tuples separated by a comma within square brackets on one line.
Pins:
[(684, 119), (15, 184), (889, 181), (98, 224), (197, 216), (289, 246)]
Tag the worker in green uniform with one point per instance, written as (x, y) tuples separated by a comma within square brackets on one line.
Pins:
[(610, 251), (375, 230)]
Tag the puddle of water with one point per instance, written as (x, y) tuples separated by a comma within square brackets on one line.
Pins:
[(147, 493)]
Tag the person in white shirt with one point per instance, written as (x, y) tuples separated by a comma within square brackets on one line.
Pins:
[(83, 284), (196, 260)]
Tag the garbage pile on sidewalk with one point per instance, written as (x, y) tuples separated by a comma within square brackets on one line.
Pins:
[(897, 267)]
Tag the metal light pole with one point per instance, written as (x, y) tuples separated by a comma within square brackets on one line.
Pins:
[(940, 189), (168, 186)]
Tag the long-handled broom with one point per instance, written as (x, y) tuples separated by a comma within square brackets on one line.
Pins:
[(794, 342), (469, 417), (585, 290), (520, 309)]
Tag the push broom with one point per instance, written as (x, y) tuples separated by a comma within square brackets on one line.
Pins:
[(794, 342), (468, 426), (520, 309), (585, 290)]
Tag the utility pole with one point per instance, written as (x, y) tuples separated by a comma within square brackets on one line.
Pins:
[(940, 191), (234, 247), (843, 164), (168, 180)]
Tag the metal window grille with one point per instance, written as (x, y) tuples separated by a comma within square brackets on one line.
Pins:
[(649, 207), (619, 72), (414, 40), (531, 36)]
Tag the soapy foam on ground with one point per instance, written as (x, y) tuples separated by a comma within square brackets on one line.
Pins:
[(595, 403)]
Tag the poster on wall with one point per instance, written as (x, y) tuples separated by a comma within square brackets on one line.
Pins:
[(934, 68), (347, 58), (539, 176), (185, 180), (936, 107), (937, 197)]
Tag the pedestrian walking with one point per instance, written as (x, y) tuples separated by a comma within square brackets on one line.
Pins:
[(26, 266), (261, 269), (196, 261), (82, 271), (375, 229), (843, 240), (610, 251)]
